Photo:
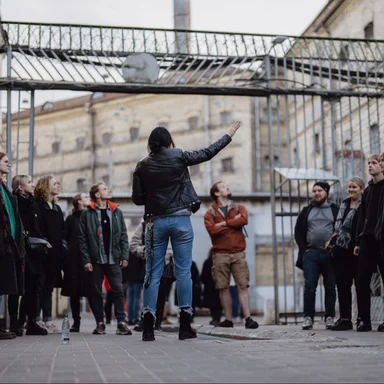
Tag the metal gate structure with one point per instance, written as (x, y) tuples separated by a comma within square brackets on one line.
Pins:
[(322, 98)]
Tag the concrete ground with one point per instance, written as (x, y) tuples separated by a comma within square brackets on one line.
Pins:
[(268, 354)]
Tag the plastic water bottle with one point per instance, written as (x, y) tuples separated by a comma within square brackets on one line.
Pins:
[(65, 333)]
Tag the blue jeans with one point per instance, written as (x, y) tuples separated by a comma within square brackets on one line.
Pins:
[(133, 293), (236, 309), (316, 263), (177, 229)]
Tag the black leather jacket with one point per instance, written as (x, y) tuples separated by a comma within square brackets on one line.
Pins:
[(161, 181)]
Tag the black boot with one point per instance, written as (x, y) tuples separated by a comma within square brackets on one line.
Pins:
[(148, 332), (15, 328), (76, 325), (159, 318), (364, 326), (34, 329), (185, 330)]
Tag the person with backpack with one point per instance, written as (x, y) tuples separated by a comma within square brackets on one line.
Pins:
[(224, 222), (314, 227)]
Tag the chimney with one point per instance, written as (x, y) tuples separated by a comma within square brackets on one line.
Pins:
[(182, 20)]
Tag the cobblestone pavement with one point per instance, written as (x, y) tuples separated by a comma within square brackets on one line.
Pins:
[(287, 357)]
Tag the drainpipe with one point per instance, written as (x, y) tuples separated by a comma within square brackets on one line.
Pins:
[(207, 141)]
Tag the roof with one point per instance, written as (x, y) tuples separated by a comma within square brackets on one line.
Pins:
[(306, 174), (75, 102), (328, 10)]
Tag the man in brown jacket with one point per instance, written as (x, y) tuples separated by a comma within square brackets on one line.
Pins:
[(224, 222)]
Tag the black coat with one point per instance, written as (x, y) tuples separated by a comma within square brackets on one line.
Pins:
[(211, 297), (196, 287), (30, 217), (76, 280), (12, 253), (161, 181), (53, 224)]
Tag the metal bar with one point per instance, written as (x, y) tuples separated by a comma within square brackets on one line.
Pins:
[(236, 69), (305, 134), (323, 146), (378, 122), (38, 60), (104, 66), (18, 134), (62, 64), (53, 66), (351, 133), (288, 132), (9, 115), (333, 128), (31, 153), (342, 146), (74, 67), (315, 135), (257, 143), (360, 136)]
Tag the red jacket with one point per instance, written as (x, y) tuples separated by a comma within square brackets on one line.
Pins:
[(229, 238)]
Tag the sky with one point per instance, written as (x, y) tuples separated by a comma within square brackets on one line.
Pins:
[(282, 17)]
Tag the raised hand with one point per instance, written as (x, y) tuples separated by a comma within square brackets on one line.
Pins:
[(235, 126)]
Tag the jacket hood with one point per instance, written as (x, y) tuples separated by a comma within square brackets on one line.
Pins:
[(371, 183), (111, 205)]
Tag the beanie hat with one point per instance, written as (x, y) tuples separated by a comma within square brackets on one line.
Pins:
[(324, 185)]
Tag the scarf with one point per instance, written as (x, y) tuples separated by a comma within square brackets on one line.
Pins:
[(344, 228)]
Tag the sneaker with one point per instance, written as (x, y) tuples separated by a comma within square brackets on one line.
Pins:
[(226, 324), (41, 324), (130, 322), (5, 335), (307, 323), (122, 328), (251, 324), (138, 327), (342, 325), (99, 330), (51, 328), (215, 323), (329, 322), (380, 328)]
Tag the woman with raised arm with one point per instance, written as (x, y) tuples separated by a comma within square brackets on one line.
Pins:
[(161, 182)]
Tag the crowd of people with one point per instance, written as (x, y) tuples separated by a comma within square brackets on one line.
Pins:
[(90, 248), (344, 244)]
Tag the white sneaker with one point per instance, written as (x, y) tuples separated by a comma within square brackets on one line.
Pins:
[(329, 322), (307, 323), (51, 328)]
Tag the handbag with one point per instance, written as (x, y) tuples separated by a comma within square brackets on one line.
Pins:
[(169, 270), (36, 244)]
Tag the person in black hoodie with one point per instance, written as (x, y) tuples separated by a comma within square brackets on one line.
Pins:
[(23, 188), (367, 243), (76, 282), (46, 191), (314, 227), (12, 251)]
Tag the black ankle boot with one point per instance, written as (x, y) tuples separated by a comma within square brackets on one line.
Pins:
[(75, 326), (185, 330), (148, 332), (35, 329), (15, 328)]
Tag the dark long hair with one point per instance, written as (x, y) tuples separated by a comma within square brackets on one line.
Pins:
[(159, 137)]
